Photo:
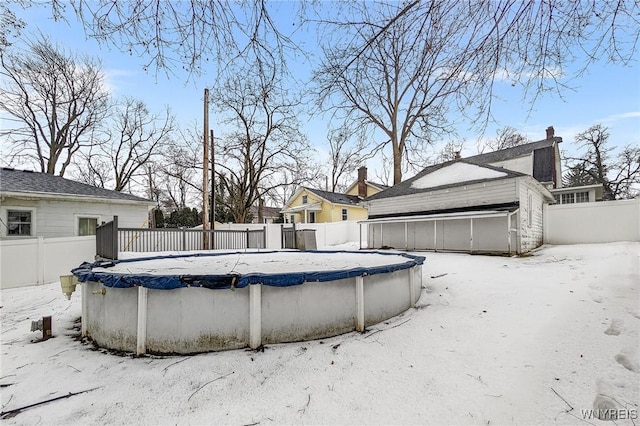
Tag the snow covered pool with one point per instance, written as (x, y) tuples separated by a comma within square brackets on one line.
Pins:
[(212, 301)]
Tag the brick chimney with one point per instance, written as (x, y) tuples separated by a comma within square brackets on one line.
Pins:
[(362, 186), (458, 156), (550, 132), (260, 210)]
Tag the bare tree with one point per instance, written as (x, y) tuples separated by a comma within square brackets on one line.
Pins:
[(399, 67), (506, 137), (619, 174), (10, 26), (135, 136), (345, 156), (179, 172), (398, 87), (450, 151), (55, 100), (187, 35), (266, 139)]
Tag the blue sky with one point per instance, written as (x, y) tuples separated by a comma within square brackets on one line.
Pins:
[(606, 94)]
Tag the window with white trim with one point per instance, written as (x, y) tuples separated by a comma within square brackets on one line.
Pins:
[(87, 226), (344, 214), (312, 217), (568, 198), (582, 197), (305, 199), (19, 222)]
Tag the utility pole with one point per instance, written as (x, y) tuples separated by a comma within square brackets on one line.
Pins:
[(205, 174), (213, 192)]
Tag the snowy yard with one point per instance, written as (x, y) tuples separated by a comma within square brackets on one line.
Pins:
[(493, 340)]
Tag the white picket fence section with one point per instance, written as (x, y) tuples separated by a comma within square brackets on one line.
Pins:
[(34, 261)]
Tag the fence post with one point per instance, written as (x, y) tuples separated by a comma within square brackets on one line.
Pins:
[(114, 238), (264, 237), (184, 239), (141, 336), (360, 304), (247, 231)]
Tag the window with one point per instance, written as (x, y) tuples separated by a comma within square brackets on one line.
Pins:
[(568, 198), (292, 219), (557, 198), (87, 226), (344, 214), (582, 197), (312, 217), (304, 199), (18, 222)]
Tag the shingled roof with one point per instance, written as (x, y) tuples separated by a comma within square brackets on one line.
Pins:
[(42, 185), (510, 153), (407, 188), (335, 197)]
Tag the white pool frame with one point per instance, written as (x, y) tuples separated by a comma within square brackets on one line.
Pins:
[(194, 319)]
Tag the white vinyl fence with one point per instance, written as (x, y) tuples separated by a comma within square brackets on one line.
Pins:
[(601, 222), (327, 234), (34, 261)]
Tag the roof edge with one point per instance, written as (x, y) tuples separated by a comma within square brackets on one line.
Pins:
[(72, 197)]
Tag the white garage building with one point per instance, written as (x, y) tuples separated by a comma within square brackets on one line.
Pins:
[(459, 206)]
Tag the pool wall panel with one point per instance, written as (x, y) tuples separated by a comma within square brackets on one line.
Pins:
[(309, 311), (205, 320)]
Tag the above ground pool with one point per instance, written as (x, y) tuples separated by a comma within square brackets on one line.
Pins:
[(208, 301)]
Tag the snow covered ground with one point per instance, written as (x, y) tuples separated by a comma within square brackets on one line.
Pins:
[(493, 340)]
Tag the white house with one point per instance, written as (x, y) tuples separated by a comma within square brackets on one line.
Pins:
[(48, 223), (460, 206), (42, 205)]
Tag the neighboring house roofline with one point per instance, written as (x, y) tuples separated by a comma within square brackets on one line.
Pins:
[(378, 186), (27, 183), (330, 197), (26, 195), (513, 152)]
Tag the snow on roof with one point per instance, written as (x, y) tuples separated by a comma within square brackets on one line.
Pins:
[(456, 173)]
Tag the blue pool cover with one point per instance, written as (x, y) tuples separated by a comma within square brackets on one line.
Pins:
[(85, 273)]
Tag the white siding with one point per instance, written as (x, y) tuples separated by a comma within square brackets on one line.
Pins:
[(478, 194), (531, 215), (55, 218), (522, 164)]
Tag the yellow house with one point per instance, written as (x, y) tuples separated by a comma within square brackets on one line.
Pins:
[(309, 205)]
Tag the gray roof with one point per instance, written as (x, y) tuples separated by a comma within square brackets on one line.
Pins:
[(336, 197), (34, 183), (405, 188), (509, 153), (379, 185), (266, 211)]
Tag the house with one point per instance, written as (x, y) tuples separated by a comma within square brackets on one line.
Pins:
[(310, 205), (264, 214), (578, 194), (460, 205), (36, 204)]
